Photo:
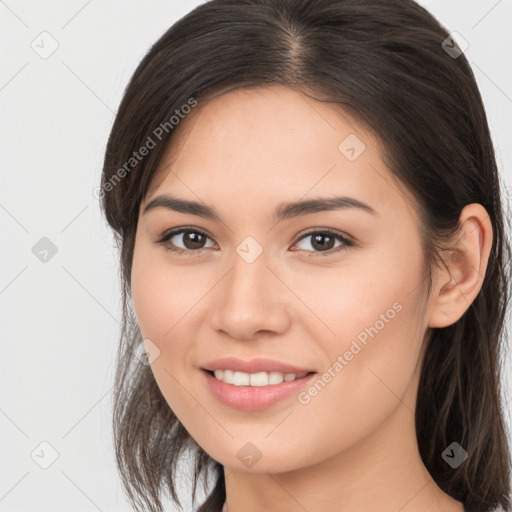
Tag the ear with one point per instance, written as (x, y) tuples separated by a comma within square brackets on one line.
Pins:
[(458, 285)]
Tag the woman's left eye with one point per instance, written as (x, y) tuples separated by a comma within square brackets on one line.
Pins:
[(324, 240), (194, 239)]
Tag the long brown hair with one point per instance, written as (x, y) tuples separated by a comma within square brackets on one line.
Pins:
[(396, 69)]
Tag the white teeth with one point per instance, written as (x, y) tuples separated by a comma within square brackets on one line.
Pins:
[(255, 379), (241, 379)]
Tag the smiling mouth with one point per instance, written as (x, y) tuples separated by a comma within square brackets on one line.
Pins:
[(255, 391)]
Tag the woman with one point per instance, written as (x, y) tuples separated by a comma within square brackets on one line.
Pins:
[(314, 260)]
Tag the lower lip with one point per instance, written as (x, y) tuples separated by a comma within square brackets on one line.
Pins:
[(253, 398)]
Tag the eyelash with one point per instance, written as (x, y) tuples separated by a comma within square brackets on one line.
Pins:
[(346, 243)]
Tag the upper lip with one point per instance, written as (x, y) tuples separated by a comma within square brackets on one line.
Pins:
[(253, 365)]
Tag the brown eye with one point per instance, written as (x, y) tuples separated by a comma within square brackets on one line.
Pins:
[(192, 240), (324, 242)]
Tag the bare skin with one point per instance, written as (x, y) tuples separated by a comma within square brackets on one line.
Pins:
[(352, 446)]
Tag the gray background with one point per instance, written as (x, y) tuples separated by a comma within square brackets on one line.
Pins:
[(60, 318)]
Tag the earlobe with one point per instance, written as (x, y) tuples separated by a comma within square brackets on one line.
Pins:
[(459, 284)]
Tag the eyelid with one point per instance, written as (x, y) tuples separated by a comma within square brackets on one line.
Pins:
[(347, 240)]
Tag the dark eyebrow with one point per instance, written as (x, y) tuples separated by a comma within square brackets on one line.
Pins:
[(309, 206), (282, 212)]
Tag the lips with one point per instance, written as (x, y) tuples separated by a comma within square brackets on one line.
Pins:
[(254, 366), (253, 398)]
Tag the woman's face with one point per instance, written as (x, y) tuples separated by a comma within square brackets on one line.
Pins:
[(255, 284)]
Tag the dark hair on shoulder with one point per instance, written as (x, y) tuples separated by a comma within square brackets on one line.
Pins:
[(384, 62)]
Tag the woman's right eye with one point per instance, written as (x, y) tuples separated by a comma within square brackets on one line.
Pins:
[(192, 239)]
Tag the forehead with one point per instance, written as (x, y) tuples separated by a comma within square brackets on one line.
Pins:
[(262, 145), (265, 123)]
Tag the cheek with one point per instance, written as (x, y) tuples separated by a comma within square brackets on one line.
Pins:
[(161, 303), (370, 373), (162, 294), (372, 294), (164, 298), (375, 314), (146, 296)]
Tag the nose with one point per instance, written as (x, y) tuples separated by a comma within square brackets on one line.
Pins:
[(251, 301)]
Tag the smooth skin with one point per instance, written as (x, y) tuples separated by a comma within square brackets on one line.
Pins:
[(353, 446)]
